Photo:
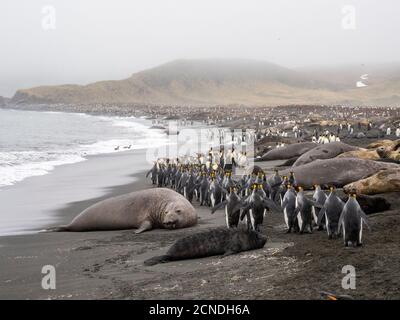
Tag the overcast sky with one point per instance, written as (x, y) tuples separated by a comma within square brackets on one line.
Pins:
[(89, 40)]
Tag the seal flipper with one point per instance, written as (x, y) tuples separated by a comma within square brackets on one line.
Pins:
[(156, 260), (146, 225), (56, 229)]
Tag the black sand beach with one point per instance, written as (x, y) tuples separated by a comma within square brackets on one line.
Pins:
[(97, 265)]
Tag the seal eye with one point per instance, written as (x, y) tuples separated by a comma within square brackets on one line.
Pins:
[(178, 211)]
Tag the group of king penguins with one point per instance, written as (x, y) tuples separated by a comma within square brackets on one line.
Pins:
[(247, 199)]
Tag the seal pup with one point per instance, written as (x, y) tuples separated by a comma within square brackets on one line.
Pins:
[(331, 210), (218, 241), (351, 221), (142, 210)]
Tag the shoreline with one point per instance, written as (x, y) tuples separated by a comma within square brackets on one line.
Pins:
[(109, 264), (36, 200)]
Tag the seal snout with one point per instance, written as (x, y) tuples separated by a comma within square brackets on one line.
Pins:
[(170, 224)]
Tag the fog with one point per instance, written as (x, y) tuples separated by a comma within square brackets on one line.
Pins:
[(54, 42)]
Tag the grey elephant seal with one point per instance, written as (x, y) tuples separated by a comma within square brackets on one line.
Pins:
[(288, 152), (324, 151), (336, 172), (142, 210), (218, 241)]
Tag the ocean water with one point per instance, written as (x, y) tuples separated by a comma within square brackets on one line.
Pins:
[(33, 143)]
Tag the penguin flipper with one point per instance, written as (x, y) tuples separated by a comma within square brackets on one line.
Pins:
[(340, 223), (315, 203), (364, 218), (56, 229), (268, 203), (218, 206), (156, 260), (246, 207), (321, 215)]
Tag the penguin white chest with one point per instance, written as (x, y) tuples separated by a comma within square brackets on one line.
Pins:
[(327, 225), (212, 199), (285, 215), (252, 220), (226, 216), (314, 214), (300, 220)]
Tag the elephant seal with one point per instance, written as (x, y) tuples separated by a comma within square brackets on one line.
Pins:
[(142, 210), (324, 151), (288, 152), (336, 172), (387, 144), (366, 154), (388, 154), (218, 241), (381, 182)]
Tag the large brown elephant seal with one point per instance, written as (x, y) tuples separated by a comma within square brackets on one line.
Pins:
[(387, 144), (288, 152), (324, 151), (381, 182), (365, 154), (335, 172), (142, 210), (386, 153)]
